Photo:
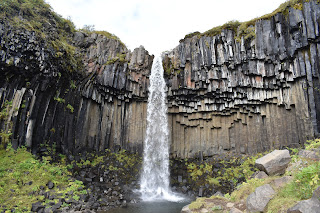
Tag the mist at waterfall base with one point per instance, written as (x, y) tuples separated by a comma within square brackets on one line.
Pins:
[(155, 191)]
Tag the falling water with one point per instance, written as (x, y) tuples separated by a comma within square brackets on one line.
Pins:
[(155, 174)]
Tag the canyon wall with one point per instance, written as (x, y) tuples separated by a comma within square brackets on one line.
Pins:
[(225, 94), (250, 95)]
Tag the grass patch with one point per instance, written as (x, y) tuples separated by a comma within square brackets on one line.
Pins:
[(22, 176), (197, 204), (247, 29)]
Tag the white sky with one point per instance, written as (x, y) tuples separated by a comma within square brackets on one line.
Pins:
[(159, 25)]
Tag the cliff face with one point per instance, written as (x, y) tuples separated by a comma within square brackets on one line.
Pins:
[(88, 92), (248, 96), (100, 105)]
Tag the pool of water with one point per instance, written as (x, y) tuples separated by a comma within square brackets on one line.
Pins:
[(152, 207)]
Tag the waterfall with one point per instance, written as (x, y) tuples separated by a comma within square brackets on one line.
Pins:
[(155, 174)]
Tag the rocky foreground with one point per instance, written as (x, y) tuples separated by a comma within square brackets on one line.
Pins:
[(277, 187)]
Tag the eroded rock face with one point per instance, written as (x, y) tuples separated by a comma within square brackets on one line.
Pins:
[(248, 96)]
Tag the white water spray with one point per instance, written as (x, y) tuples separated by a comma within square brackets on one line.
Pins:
[(155, 174)]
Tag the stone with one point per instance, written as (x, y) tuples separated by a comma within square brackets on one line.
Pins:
[(200, 192), (258, 200), (313, 155), (36, 207), (311, 205), (260, 175), (186, 209), (280, 182), (50, 185), (180, 179), (235, 210), (316, 193), (218, 193), (274, 163)]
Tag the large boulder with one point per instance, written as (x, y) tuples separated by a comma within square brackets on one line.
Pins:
[(274, 163), (311, 205), (258, 200)]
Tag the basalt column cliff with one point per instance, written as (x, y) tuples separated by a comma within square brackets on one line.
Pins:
[(246, 94), (241, 88), (74, 91)]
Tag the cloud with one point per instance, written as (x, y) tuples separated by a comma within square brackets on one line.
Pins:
[(159, 25)]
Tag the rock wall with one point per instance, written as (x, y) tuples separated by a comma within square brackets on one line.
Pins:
[(223, 95), (101, 106), (248, 96)]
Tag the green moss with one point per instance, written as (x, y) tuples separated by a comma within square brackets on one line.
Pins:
[(198, 204), (33, 15), (19, 167), (70, 107), (121, 58), (247, 29)]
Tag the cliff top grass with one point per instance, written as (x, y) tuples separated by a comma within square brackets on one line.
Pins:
[(90, 29), (34, 15), (247, 29)]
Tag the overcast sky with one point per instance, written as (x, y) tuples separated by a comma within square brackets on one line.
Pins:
[(159, 25)]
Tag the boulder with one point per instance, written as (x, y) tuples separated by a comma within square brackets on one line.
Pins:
[(260, 175), (314, 155), (311, 205), (258, 200), (274, 163)]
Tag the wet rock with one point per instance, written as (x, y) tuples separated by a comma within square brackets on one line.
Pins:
[(258, 200), (275, 162)]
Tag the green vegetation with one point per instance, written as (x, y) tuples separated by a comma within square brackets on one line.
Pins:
[(55, 31), (121, 58), (90, 29), (121, 162), (59, 100), (22, 176), (6, 133), (34, 15), (72, 84), (70, 107), (199, 203), (247, 29), (232, 170)]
